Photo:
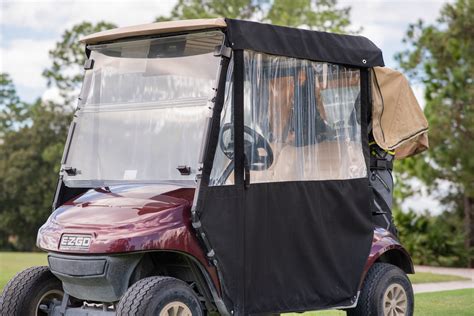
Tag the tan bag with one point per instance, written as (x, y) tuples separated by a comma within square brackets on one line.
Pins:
[(398, 122)]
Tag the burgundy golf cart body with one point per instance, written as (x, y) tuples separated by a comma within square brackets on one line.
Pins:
[(247, 216), (156, 218)]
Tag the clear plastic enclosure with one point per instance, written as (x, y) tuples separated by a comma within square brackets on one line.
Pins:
[(142, 110), (308, 113), (301, 122), (223, 165)]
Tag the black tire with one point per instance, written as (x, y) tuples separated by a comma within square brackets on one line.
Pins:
[(378, 280), (151, 295), (22, 295)]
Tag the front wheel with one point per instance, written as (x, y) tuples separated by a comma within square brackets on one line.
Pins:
[(160, 296), (28, 291), (386, 291)]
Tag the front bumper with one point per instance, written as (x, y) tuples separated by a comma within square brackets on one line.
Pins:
[(94, 278)]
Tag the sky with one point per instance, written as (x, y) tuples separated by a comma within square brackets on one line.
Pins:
[(30, 28)]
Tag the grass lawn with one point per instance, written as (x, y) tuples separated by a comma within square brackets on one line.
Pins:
[(427, 277), (13, 262), (458, 302)]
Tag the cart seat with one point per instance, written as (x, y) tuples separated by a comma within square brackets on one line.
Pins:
[(330, 160)]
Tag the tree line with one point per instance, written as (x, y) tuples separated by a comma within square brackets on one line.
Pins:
[(439, 56)]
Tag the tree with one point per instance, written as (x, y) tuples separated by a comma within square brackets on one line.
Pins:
[(201, 9), (12, 111), (322, 15), (32, 139), (68, 58), (435, 240), (317, 15), (441, 57), (29, 165)]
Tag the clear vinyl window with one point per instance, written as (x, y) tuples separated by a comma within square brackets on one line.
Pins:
[(143, 111), (222, 172), (302, 120)]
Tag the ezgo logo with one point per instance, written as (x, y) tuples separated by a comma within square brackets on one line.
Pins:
[(75, 242)]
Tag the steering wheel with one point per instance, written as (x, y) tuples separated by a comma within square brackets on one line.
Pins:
[(257, 149)]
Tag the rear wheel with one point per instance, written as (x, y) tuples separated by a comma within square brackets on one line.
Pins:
[(161, 296), (386, 291), (28, 290)]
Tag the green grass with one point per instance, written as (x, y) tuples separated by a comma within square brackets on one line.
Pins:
[(13, 262), (458, 302), (447, 303), (427, 277)]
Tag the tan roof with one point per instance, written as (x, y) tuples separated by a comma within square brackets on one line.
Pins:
[(154, 28)]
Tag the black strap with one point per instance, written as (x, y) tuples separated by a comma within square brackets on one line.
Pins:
[(380, 164), (238, 112)]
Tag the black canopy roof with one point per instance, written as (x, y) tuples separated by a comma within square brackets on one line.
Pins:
[(293, 42)]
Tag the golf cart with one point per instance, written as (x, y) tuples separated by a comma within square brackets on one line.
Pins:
[(231, 167)]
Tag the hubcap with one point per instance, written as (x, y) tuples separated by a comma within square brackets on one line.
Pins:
[(47, 299), (395, 302), (176, 309)]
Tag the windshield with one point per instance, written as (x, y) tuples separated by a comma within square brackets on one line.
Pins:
[(142, 111)]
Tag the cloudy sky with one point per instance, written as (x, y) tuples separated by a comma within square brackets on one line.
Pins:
[(29, 28)]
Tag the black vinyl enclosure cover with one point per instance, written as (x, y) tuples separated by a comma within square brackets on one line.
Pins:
[(292, 42), (293, 239)]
